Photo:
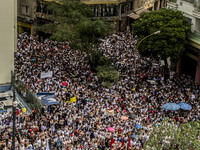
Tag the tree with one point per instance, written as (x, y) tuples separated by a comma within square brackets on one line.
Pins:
[(172, 38), (172, 137), (73, 21), (108, 74)]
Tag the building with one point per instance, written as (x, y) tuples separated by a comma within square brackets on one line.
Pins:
[(145, 6), (25, 15), (189, 62), (8, 39), (154, 4), (115, 12)]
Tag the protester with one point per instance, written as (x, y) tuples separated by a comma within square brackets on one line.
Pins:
[(83, 124)]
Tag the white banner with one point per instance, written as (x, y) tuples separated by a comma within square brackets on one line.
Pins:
[(48, 74)]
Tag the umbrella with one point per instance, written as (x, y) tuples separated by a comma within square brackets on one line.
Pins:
[(132, 116), (64, 83), (110, 129), (171, 106), (138, 126), (124, 118), (133, 136), (185, 106)]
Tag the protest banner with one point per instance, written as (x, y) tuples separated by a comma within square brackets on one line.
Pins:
[(48, 74)]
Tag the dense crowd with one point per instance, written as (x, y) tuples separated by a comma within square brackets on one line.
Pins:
[(83, 124)]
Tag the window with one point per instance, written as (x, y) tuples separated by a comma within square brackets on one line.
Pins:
[(25, 9), (45, 9), (38, 8)]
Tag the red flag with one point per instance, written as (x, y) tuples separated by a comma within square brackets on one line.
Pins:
[(123, 142), (129, 142), (112, 141)]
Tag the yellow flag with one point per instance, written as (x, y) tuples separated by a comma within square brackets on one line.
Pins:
[(133, 89), (24, 110), (73, 99)]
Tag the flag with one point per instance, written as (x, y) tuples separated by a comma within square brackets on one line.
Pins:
[(47, 147), (24, 110), (72, 100), (112, 141), (123, 142), (129, 143)]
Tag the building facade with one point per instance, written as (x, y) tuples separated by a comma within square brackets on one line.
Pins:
[(25, 15), (8, 39), (189, 62), (115, 12), (155, 4)]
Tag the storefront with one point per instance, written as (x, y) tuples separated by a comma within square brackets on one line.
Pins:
[(24, 27)]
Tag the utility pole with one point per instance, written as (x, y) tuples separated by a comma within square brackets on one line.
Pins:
[(15, 103)]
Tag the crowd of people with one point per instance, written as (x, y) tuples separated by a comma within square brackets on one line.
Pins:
[(83, 124)]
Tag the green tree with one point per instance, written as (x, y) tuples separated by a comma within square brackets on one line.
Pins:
[(108, 74), (171, 137), (73, 21), (172, 38)]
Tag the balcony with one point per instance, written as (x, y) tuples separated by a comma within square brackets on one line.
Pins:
[(196, 12), (172, 4)]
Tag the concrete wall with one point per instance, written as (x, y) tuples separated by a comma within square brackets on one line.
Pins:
[(187, 8), (139, 4), (8, 38)]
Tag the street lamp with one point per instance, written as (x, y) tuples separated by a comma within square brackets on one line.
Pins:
[(136, 49), (15, 103)]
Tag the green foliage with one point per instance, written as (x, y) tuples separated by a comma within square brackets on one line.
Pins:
[(73, 21), (172, 39), (103, 61), (94, 58), (108, 73), (170, 137)]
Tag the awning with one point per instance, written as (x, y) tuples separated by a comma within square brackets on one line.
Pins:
[(141, 10), (134, 16)]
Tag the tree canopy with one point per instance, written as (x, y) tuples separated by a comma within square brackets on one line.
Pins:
[(73, 21), (169, 136), (172, 38)]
